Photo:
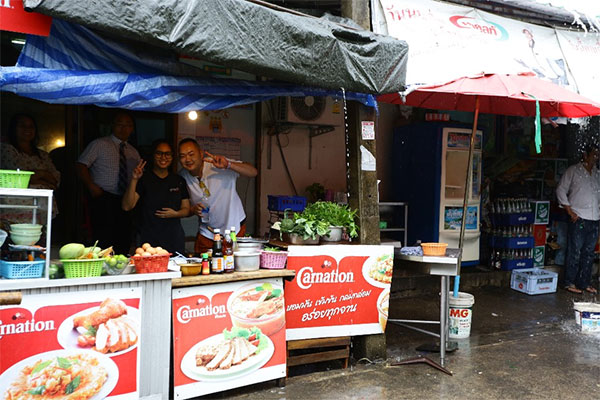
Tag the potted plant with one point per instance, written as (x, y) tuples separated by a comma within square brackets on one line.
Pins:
[(303, 229), (336, 217)]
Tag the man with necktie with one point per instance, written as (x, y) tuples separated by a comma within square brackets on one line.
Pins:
[(105, 168)]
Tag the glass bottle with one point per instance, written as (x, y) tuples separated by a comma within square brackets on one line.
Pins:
[(205, 264), (217, 266), (228, 252)]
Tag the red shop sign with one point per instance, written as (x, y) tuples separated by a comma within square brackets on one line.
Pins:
[(14, 18)]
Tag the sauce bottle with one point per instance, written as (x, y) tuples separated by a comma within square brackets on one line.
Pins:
[(205, 264), (217, 264), (228, 251)]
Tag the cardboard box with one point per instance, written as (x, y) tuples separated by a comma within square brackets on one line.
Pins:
[(539, 235), (533, 281), (539, 255), (541, 212)]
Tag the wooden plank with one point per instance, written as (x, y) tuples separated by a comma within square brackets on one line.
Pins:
[(317, 357), (313, 343), (10, 298), (235, 276)]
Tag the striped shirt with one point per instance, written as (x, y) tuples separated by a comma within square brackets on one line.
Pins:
[(101, 156)]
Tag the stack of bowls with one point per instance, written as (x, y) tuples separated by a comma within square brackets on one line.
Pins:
[(25, 234)]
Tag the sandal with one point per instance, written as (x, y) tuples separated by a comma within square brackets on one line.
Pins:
[(591, 289), (573, 289)]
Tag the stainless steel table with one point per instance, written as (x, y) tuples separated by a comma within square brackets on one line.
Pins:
[(445, 267)]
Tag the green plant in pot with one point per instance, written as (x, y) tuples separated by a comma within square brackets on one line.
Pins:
[(337, 217), (303, 227)]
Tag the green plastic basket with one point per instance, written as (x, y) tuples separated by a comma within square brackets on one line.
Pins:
[(83, 268), (14, 179)]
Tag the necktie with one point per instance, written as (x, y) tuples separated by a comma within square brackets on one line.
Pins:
[(122, 185)]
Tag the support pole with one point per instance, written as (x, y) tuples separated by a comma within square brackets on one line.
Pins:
[(461, 240)]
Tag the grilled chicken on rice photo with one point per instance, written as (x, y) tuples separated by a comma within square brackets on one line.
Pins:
[(236, 347), (108, 329)]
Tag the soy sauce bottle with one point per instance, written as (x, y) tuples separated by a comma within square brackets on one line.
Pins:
[(217, 265)]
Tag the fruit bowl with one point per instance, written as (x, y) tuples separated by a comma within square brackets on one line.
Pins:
[(117, 265)]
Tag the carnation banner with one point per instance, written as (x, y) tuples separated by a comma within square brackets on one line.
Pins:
[(468, 42), (227, 335), (60, 347), (338, 290)]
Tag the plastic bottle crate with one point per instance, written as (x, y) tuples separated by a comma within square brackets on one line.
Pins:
[(282, 203), (509, 265), (512, 243), (533, 281)]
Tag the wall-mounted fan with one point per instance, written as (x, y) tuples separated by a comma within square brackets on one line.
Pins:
[(307, 108)]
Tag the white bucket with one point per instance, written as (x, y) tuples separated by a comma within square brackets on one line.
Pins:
[(459, 320)]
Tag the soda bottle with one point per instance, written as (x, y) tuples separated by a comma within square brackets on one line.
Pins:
[(205, 264), (228, 252), (217, 264)]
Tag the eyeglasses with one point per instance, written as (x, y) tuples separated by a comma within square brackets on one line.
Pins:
[(166, 154), (204, 188)]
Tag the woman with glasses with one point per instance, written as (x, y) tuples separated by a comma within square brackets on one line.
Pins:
[(163, 198)]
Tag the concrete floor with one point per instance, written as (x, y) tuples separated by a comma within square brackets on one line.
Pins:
[(521, 347)]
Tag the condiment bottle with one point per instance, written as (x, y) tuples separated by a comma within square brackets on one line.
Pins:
[(217, 264), (228, 251), (205, 264)]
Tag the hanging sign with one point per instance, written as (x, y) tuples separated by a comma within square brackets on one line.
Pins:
[(368, 130), (14, 18)]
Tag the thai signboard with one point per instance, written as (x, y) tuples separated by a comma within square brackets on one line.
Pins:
[(227, 335), (338, 290), (58, 346)]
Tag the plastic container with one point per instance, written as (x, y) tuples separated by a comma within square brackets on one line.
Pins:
[(273, 259), (151, 264), (533, 281), (434, 249), (587, 316), (26, 228), (22, 269), (120, 268), (83, 268), (282, 203), (14, 179), (25, 239), (246, 260), (461, 315)]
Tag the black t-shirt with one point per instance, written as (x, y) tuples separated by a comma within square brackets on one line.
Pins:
[(157, 193)]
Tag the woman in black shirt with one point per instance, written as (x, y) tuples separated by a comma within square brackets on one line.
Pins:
[(164, 199)]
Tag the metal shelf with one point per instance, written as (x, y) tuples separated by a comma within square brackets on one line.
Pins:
[(34, 194), (392, 230)]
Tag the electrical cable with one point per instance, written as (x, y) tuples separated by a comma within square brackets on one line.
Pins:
[(287, 170)]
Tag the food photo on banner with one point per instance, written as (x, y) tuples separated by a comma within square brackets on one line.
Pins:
[(338, 290), (227, 335), (61, 347)]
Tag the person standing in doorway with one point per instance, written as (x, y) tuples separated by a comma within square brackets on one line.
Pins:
[(211, 181), (105, 168), (579, 193)]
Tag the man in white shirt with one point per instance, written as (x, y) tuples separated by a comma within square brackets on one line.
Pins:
[(211, 181), (579, 193), (105, 168)]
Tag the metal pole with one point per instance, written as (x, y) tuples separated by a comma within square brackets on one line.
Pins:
[(443, 312), (467, 185)]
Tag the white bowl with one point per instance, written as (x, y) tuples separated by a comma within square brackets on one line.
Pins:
[(26, 228), (25, 239)]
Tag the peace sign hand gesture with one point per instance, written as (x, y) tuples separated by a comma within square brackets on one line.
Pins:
[(138, 171)]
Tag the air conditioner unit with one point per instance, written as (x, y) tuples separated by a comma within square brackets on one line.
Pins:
[(310, 110)]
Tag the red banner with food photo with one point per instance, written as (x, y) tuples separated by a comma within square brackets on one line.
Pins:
[(338, 290), (227, 335), (56, 346)]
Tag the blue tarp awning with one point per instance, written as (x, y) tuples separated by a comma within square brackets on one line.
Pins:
[(76, 66)]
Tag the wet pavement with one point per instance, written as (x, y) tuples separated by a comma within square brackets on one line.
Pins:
[(521, 347)]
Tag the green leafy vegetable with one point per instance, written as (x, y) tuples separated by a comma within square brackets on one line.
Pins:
[(91, 331), (246, 333), (40, 367), (268, 248), (73, 385), (275, 293), (38, 390), (64, 363)]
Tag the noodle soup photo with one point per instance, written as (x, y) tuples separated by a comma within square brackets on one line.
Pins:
[(382, 307), (258, 305)]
